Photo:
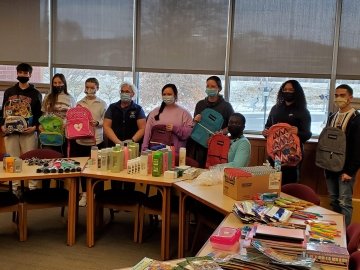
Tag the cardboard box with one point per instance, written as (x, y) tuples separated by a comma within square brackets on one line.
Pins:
[(244, 188)]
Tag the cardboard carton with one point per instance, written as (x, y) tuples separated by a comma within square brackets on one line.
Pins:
[(245, 187)]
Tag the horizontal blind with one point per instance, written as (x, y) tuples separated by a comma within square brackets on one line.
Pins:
[(283, 37), (24, 32), (349, 44), (182, 36), (93, 33)]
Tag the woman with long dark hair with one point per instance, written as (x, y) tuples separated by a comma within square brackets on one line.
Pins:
[(291, 108)]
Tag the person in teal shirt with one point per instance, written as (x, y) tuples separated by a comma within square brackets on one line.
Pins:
[(240, 149)]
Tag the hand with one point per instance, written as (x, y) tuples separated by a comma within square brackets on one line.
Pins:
[(265, 132), (3, 129), (29, 130), (169, 127), (345, 177), (294, 130), (94, 123), (197, 118)]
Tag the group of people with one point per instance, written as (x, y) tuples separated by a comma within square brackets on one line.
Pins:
[(126, 120)]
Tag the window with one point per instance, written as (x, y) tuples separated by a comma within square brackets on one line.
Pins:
[(254, 97), (191, 89), (93, 33), (355, 85), (283, 37), (109, 82)]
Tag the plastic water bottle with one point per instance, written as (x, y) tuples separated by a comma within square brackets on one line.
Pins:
[(277, 164), (94, 157)]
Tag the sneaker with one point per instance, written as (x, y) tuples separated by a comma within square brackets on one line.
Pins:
[(82, 201)]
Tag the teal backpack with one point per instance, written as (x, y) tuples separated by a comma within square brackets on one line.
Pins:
[(211, 121), (53, 130)]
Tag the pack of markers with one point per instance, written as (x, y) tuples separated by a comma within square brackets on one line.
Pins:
[(59, 165)]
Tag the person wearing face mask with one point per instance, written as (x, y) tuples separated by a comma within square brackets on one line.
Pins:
[(57, 102), (215, 101), (340, 184), (24, 100), (124, 120), (240, 150), (290, 108), (176, 118), (82, 147)]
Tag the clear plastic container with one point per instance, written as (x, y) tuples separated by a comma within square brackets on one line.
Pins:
[(226, 238)]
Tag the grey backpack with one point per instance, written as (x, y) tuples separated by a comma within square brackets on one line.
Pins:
[(331, 149)]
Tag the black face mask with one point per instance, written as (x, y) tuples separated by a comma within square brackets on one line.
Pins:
[(23, 79), (58, 89), (235, 131), (289, 97)]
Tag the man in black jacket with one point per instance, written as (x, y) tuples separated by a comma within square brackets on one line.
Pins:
[(340, 184), (21, 110)]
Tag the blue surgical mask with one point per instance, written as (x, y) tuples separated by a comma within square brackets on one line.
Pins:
[(125, 97), (211, 92), (168, 99)]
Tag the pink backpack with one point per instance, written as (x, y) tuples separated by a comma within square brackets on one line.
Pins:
[(78, 125)]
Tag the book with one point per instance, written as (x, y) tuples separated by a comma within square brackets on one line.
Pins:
[(328, 253), (279, 234)]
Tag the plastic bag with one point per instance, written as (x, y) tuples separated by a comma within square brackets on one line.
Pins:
[(211, 177)]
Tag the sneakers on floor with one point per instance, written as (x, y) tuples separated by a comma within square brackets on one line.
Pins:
[(82, 201)]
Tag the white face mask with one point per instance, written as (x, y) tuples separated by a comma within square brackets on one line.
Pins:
[(90, 92), (341, 102), (168, 99)]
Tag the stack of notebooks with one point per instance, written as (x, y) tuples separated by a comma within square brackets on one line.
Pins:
[(289, 241)]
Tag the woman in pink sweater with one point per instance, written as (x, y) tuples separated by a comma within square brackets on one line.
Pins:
[(176, 119)]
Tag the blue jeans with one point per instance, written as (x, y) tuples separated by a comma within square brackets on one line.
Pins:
[(340, 195)]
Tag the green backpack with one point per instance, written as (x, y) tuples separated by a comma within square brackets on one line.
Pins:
[(53, 130)]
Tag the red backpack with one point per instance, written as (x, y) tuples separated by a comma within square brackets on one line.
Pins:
[(218, 149), (78, 125), (283, 145)]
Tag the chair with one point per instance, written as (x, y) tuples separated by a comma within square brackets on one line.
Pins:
[(9, 202), (354, 261), (45, 197), (302, 192), (353, 237), (122, 200)]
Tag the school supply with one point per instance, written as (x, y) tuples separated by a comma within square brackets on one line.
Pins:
[(78, 125), (211, 121), (53, 130), (218, 149), (160, 136), (283, 146), (331, 149), (17, 115)]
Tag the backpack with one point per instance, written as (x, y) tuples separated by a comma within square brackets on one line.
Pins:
[(17, 115), (219, 146), (53, 130), (78, 125), (283, 146), (211, 121), (331, 149), (159, 135)]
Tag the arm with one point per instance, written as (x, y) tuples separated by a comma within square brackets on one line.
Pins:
[(147, 132), (269, 123), (183, 132), (304, 132), (101, 120), (110, 134), (141, 129)]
